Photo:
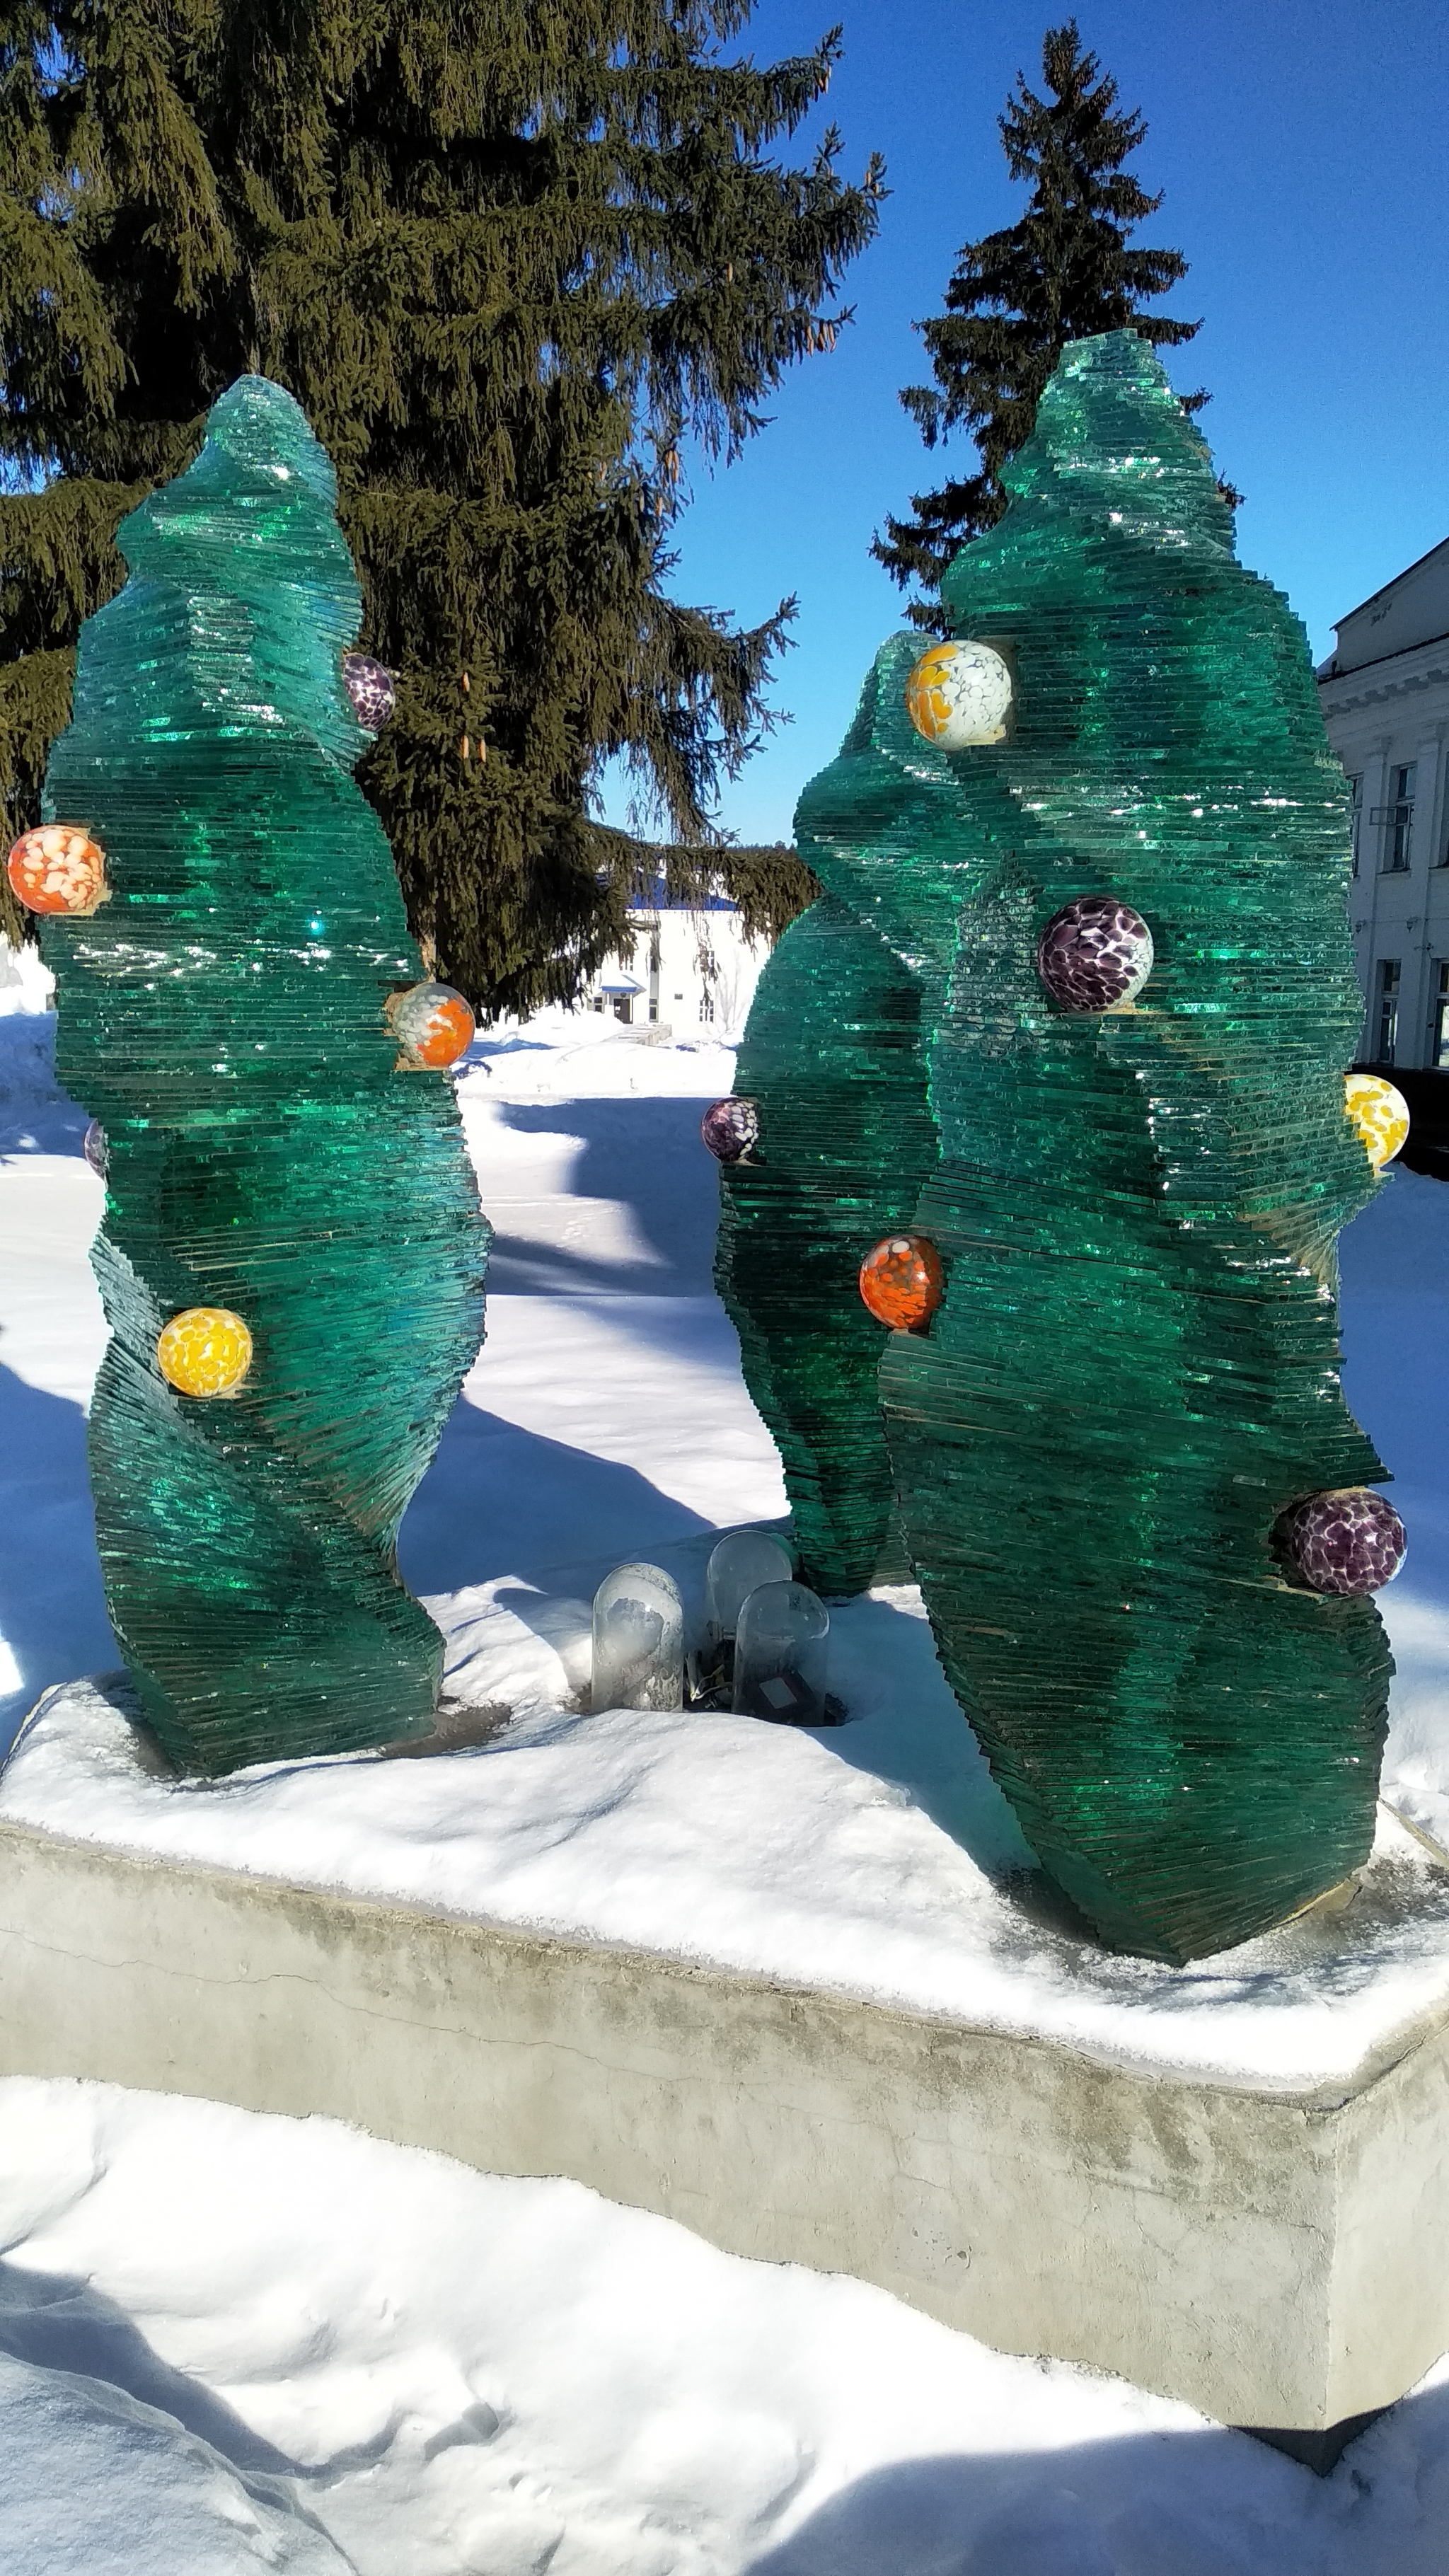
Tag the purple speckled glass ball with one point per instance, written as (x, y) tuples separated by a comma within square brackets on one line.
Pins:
[(95, 1147), (731, 1129), (1348, 1541), (370, 688), (1094, 954)]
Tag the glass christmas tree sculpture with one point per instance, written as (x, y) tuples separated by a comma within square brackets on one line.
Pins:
[(831, 1056), (1118, 900), (292, 1252)]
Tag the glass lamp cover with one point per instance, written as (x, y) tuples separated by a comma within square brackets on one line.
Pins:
[(781, 1650), (638, 1640), (737, 1565)]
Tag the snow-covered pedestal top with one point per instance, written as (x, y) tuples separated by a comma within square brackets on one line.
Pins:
[(740, 1846)]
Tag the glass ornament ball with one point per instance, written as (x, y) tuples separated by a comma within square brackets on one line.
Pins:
[(782, 1645), (1351, 1540), (1095, 954), (959, 696), (433, 1026), (205, 1350), (902, 1281), (96, 1148), (1379, 1114), (731, 1129), (59, 868), (370, 687)]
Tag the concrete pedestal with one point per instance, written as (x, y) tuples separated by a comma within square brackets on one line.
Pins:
[(1279, 2259)]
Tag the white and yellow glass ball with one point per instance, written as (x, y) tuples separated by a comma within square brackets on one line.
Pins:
[(205, 1350), (960, 695), (1380, 1115)]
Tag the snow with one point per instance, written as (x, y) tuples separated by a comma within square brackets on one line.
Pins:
[(606, 1417), (239, 2342), (26, 982)]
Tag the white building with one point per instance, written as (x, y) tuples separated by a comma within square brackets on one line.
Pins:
[(693, 972), (1385, 698)]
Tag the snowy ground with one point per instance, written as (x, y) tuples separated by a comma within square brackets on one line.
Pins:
[(239, 2342)]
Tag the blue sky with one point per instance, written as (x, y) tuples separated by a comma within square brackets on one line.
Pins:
[(1303, 154)]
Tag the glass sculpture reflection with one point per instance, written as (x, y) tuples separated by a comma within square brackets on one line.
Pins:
[(1130, 1147), (638, 1640), (267, 1168), (781, 1654)]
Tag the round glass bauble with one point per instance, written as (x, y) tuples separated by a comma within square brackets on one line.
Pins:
[(1351, 1540), (1380, 1115), (205, 1350), (731, 1129), (96, 1148), (433, 1026), (59, 868), (370, 687), (959, 695), (902, 1281), (1095, 954)]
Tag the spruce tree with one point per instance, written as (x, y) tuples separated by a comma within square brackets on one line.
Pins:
[(1065, 271), (515, 263)]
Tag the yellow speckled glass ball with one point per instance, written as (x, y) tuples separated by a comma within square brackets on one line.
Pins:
[(1380, 1114), (205, 1350), (959, 695)]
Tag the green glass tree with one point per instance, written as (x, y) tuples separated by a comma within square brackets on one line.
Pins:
[(832, 1058), (1133, 1378), (223, 1015)]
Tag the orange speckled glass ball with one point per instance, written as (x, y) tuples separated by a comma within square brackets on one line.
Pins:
[(59, 868), (959, 696), (902, 1281), (433, 1027), (205, 1350)]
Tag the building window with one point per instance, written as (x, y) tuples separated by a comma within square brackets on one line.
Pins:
[(1388, 1010), (1355, 798), (1398, 818), (1439, 1045), (706, 1004)]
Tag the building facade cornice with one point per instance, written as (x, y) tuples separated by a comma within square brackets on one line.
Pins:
[(1374, 684)]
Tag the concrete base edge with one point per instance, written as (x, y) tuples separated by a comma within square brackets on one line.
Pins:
[(1280, 2261)]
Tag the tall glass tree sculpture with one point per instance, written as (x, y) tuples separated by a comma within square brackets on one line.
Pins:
[(1104, 836), (292, 1253), (832, 1058)]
